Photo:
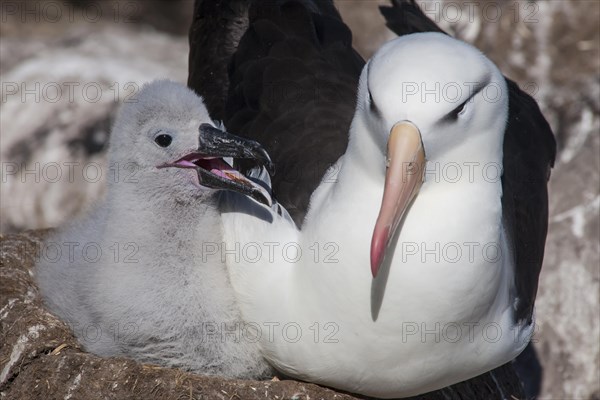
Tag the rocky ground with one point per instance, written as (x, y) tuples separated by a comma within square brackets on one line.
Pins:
[(550, 48)]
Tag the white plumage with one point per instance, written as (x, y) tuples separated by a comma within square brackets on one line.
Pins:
[(425, 321)]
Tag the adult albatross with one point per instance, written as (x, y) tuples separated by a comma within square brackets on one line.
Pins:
[(444, 317)]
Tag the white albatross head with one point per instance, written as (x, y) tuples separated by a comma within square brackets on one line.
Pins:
[(424, 95), (165, 143)]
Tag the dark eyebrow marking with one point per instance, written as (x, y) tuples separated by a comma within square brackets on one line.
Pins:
[(479, 87), (372, 106), (453, 115)]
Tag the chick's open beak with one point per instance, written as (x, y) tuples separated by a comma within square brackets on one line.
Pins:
[(214, 172)]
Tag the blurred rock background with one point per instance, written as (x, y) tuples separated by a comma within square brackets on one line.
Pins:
[(66, 66)]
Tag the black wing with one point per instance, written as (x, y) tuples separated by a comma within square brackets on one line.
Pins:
[(529, 153), (293, 84), (216, 30), (405, 17)]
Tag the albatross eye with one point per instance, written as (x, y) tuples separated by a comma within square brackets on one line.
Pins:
[(163, 140), (372, 105), (459, 110)]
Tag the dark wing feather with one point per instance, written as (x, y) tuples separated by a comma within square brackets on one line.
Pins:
[(293, 83), (214, 35), (529, 153), (216, 30), (405, 17)]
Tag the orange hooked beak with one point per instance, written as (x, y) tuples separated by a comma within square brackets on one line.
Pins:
[(403, 179)]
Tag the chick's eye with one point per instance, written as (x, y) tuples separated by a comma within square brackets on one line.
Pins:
[(163, 140)]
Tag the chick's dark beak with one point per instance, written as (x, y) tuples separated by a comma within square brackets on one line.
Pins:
[(214, 172), (215, 141), (220, 175)]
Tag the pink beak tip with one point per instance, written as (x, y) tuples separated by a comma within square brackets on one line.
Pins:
[(375, 268), (378, 246)]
